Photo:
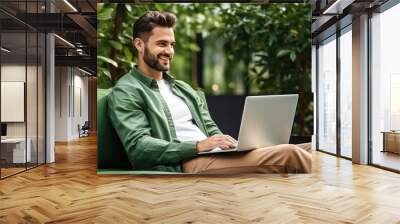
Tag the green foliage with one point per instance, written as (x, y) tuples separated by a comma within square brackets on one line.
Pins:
[(115, 43), (274, 42), (250, 48)]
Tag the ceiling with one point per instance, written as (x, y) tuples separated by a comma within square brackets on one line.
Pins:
[(74, 22), (326, 14)]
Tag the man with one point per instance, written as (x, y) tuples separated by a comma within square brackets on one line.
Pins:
[(163, 123)]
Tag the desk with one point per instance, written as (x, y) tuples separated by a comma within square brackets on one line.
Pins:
[(15, 148), (391, 141)]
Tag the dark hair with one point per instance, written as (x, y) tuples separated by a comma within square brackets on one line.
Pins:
[(151, 19)]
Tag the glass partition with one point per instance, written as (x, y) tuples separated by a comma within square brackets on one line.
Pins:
[(13, 109), (22, 88)]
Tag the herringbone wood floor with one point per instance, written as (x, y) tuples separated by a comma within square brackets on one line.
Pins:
[(70, 191)]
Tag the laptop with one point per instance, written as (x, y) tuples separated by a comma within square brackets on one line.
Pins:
[(266, 121)]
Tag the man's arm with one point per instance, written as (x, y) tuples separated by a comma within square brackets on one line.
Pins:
[(209, 124), (127, 115)]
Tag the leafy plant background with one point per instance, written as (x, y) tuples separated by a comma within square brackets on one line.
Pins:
[(249, 49)]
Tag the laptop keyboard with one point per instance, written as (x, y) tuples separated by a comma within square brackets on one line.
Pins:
[(218, 150)]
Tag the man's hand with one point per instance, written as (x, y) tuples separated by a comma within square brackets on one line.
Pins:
[(220, 141)]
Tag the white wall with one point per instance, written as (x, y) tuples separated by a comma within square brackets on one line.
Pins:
[(16, 73), (62, 81), (71, 102)]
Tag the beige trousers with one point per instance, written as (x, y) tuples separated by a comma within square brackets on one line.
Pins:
[(285, 158)]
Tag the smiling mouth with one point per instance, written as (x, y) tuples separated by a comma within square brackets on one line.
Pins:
[(164, 58)]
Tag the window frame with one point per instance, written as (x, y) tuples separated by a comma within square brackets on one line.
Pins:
[(340, 28)]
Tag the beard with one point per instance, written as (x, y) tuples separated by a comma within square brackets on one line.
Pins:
[(152, 60)]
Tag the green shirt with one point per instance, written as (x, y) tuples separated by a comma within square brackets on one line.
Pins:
[(144, 123)]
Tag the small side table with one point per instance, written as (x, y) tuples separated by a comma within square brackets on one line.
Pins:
[(391, 141)]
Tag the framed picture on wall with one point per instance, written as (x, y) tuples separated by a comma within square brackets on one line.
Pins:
[(12, 101)]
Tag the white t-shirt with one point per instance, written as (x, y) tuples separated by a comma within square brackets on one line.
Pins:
[(185, 129)]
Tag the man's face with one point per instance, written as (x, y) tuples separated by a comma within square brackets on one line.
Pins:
[(159, 49)]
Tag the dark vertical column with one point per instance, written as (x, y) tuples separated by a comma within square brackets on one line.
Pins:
[(37, 87), (369, 100), (73, 92), (1, 165), (200, 61), (44, 69), (69, 91), (316, 97), (26, 86), (338, 73), (92, 84)]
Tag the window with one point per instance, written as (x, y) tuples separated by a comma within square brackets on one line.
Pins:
[(346, 92), (385, 87), (327, 95)]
